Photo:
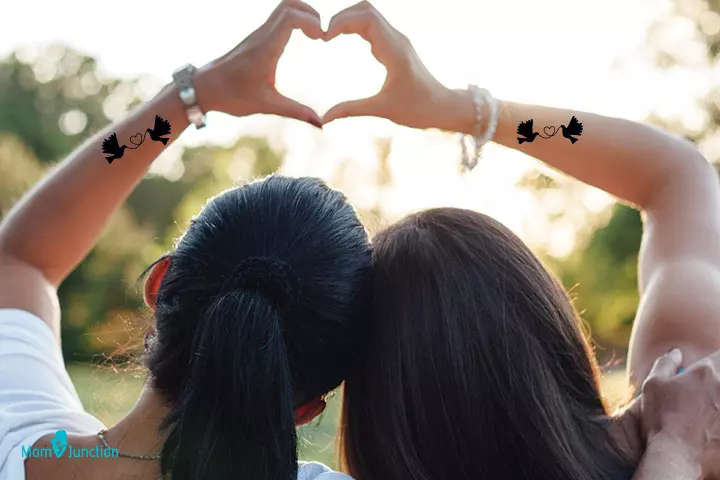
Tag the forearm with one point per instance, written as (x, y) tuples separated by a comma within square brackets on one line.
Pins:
[(57, 223), (665, 459), (632, 161)]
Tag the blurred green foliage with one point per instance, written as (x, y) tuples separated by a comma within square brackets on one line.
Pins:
[(602, 278), (51, 103)]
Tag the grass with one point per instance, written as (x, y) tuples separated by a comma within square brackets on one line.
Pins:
[(109, 395)]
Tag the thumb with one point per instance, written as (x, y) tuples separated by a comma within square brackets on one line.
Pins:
[(367, 107), (287, 107), (667, 365)]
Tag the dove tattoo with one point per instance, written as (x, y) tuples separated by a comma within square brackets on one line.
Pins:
[(570, 131), (525, 130), (573, 128), (111, 147), (162, 127), (158, 133)]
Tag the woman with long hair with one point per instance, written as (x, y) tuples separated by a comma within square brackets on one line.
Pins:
[(257, 309), (479, 367)]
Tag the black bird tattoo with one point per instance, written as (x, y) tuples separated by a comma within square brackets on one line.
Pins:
[(573, 128), (162, 127), (525, 129), (111, 147)]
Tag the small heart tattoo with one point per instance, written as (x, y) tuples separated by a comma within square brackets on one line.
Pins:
[(137, 139), (550, 131)]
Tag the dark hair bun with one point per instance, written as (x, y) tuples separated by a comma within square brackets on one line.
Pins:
[(272, 277)]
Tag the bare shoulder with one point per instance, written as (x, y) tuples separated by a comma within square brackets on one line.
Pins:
[(24, 287), (71, 457), (44, 464), (54, 459)]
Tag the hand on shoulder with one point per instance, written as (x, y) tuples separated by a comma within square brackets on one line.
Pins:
[(681, 411)]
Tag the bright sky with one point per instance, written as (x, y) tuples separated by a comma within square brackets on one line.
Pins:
[(554, 52)]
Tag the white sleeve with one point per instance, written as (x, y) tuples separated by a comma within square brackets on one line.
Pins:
[(37, 396), (318, 471)]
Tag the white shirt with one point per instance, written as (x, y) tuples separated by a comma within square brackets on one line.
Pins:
[(38, 398)]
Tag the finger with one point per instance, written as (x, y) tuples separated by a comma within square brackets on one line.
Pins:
[(667, 365), (285, 4), (713, 358), (358, 7), (367, 107), (387, 44), (287, 107), (705, 367), (305, 8), (278, 18), (293, 18), (358, 22), (362, 19)]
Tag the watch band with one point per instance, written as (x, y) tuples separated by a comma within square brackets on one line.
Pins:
[(183, 78)]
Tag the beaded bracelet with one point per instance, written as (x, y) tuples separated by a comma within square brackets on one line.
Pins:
[(482, 98)]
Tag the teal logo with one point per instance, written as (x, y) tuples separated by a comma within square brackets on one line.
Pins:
[(61, 446), (59, 443)]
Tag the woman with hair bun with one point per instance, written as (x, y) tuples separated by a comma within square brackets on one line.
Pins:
[(257, 310)]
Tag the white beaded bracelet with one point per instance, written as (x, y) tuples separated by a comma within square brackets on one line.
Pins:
[(482, 98)]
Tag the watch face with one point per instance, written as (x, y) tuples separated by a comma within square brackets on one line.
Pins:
[(187, 95), (183, 78), (184, 74)]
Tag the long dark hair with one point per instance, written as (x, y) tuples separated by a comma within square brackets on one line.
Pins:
[(258, 313), (478, 366)]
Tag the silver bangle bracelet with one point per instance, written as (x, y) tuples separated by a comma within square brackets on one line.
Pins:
[(482, 99)]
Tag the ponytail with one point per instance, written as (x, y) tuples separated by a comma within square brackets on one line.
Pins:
[(234, 417), (240, 337)]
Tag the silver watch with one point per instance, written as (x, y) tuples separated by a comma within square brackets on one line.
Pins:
[(183, 78)]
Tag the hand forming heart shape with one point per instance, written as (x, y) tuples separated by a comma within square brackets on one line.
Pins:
[(410, 96), (242, 82)]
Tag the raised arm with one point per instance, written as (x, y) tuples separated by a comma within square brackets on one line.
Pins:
[(661, 174), (55, 225), (678, 193)]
